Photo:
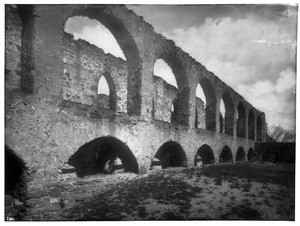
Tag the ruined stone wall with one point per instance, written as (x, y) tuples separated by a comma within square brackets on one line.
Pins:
[(62, 113), (201, 118), (84, 64), (163, 97), (13, 36)]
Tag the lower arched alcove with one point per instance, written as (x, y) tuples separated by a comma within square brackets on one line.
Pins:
[(94, 157), (240, 154), (250, 154), (226, 154), (15, 185), (171, 154), (206, 154)]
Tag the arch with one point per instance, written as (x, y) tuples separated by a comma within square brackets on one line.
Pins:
[(200, 114), (91, 157), (221, 119), (112, 93), (240, 154), (126, 42), (226, 155), (182, 113), (241, 121), (229, 113), (171, 154), (251, 125), (15, 168), (206, 153), (210, 106), (259, 129), (250, 155)]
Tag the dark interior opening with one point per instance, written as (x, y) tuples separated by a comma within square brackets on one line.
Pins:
[(250, 154), (171, 154), (226, 155), (240, 154), (15, 181), (207, 154), (93, 157)]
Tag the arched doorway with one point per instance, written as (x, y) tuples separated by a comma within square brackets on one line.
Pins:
[(226, 154), (92, 157), (206, 154), (171, 154), (240, 154), (250, 154)]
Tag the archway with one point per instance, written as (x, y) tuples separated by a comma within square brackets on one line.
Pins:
[(241, 121), (250, 155), (127, 45), (229, 113), (251, 126), (182, 95), (226, 154), (206, 153), (15, 167), (209, 101), (259, 128), (240, 154), (15, 185), (164, 91), (92, 157), (171, 154)]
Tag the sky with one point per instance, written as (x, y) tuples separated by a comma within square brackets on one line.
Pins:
[(252, 48)]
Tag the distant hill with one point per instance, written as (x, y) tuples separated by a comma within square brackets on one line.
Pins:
[(281, 135)]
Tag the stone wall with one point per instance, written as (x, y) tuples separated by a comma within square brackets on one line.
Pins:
[(163, 97), (200, 121), (13, 36), (84, 64), (62, 111)]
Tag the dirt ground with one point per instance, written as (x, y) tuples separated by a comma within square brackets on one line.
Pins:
[(240, 191)]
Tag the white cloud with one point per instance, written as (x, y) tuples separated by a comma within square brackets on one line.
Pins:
[(277, 99), (254, 57), (101, 37)]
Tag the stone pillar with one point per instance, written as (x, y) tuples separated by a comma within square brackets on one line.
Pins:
[(218, 101), (47, 51), (235, 121), (247, 125)]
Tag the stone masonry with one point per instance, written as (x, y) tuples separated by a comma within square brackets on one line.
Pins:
[(52, 107)]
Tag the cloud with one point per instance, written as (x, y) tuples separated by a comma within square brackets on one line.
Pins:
[(277, 100), (95, 33), (254, 57)]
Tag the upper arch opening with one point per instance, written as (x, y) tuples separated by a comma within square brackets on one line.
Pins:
[(206, 103), (259, 128), (228, 114)]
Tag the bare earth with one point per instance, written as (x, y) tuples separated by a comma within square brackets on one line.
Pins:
[(241, 191)]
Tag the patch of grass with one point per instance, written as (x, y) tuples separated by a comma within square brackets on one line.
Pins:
[(232, 198), (249, 173), (142, 211), (241, 212), (225, 194), (246, 187), (169, 215), (258, 203), (218, 181)]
